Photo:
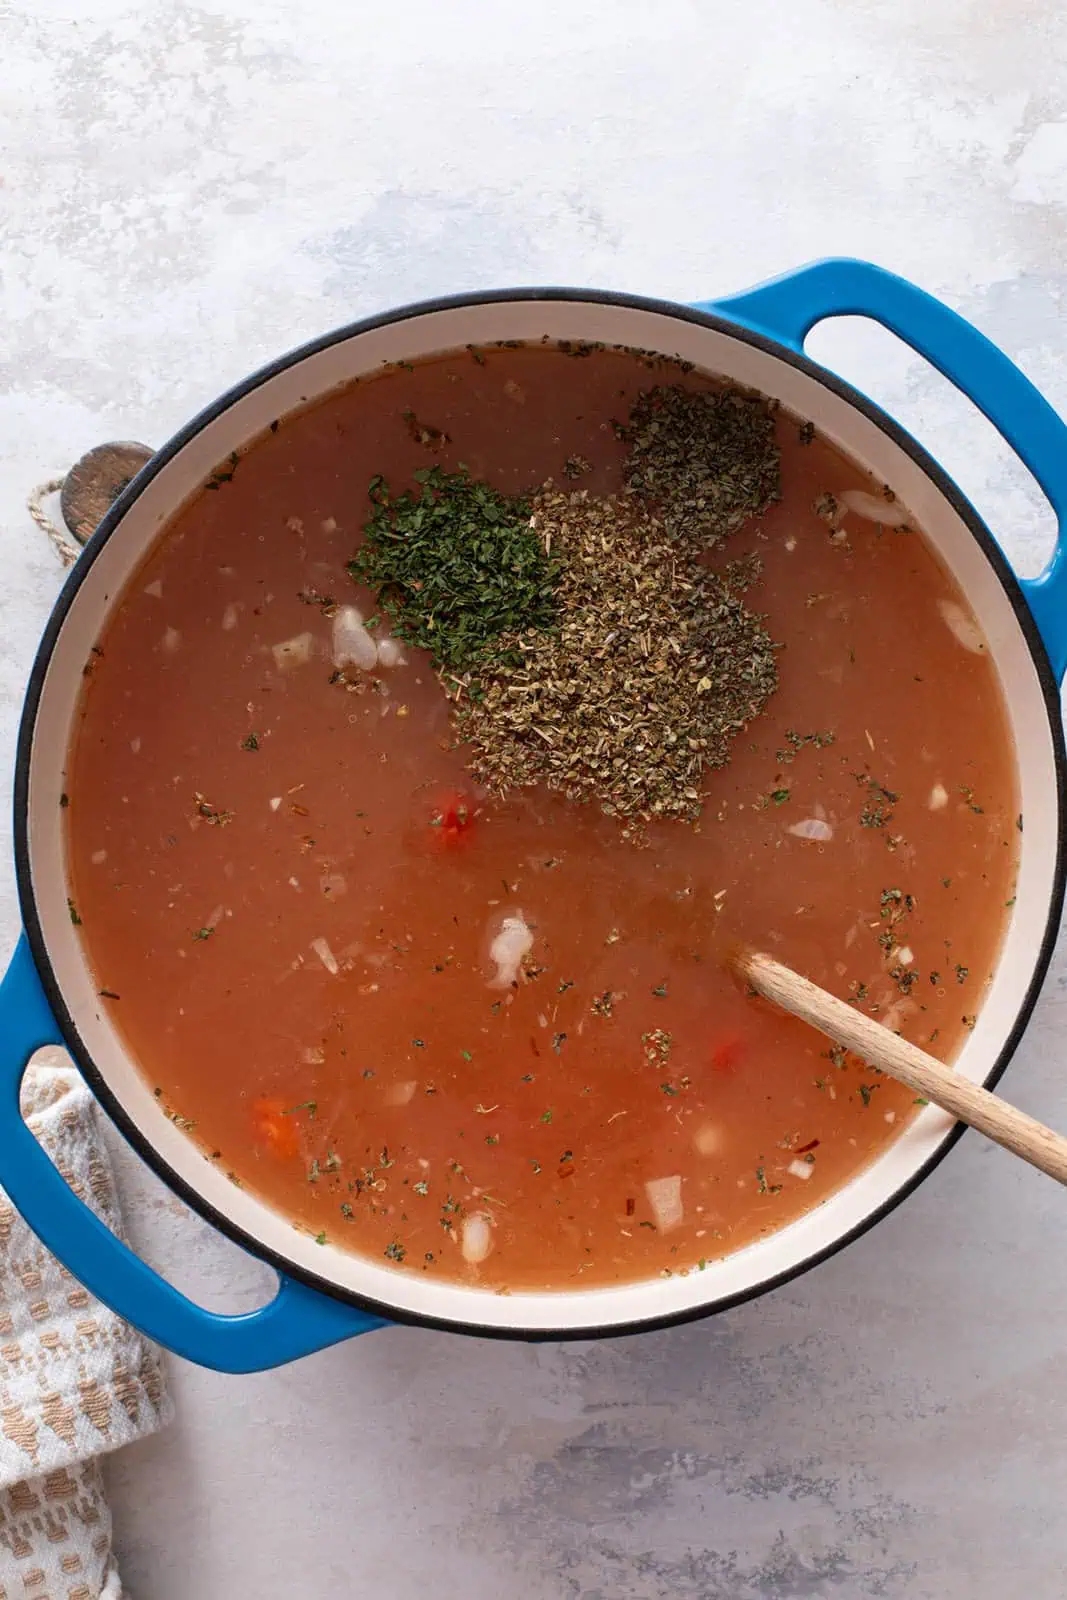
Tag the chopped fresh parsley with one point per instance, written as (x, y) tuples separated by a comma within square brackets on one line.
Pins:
[(436, 557)]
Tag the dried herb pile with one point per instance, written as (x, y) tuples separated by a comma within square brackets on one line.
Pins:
[(582, 642), (707, 461), (655, 665)]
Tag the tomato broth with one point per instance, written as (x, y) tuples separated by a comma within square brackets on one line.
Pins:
[(495, 1039)]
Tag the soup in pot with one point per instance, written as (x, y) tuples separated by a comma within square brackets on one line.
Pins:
[(426, 969)]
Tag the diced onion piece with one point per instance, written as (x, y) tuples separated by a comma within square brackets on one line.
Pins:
[(938, 797), (400, 1094), (894, 1016), (352, 645), (964, 627), (155, 589), (98, 857), (329, 524), (476, 1239), (171, 640), (508, 950), (229, 617), (294, 652), (314, 1056), (708, 1139), (801, 1169), (890, 513), (322, 949), (665, 1198), (391, 652), (812, 828), (905, 955), (276, 801), (135, 746)]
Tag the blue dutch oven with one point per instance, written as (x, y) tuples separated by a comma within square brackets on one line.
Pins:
[(49, 996)]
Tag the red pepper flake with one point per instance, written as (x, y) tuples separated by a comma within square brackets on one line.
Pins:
[(812, 1144), (631, 1205)]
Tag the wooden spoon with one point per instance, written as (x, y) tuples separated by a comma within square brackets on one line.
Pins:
[(879, 1047)]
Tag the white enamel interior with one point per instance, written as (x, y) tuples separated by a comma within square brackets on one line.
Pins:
[(408, 340)]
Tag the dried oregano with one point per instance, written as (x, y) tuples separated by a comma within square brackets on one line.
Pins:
[(655, 665), (705, 459)]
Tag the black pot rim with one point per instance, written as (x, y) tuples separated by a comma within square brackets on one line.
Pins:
[(112, 519)]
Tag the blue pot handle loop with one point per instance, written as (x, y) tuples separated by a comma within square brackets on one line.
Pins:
[(787, 308), (296, 1322)]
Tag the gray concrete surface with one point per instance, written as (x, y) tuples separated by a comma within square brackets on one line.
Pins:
[(188, 188)]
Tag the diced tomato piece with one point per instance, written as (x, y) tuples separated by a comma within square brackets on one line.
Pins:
[(452, 819), (274, 1129), (727, 1054)]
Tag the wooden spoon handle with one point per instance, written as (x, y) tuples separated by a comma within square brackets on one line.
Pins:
[(969, 1102)]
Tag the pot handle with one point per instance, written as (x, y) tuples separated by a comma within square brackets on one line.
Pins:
[(295, 1323), (787, 308)]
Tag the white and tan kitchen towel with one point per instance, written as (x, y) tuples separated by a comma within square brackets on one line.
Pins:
[(75, 1380)]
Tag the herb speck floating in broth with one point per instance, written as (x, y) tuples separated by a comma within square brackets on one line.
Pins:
[(453, 794)]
